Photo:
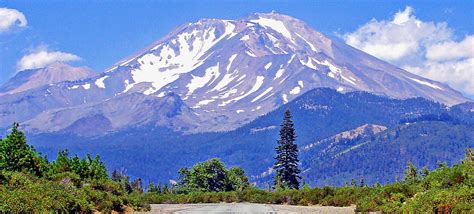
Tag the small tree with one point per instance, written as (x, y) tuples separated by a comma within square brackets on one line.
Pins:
[(411, 173), (286, 164)]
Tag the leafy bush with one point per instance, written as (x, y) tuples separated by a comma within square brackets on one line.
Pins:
[(29, 184)]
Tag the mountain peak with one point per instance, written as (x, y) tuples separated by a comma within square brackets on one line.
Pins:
[(52, 73)]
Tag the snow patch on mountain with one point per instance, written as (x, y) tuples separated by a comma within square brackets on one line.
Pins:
[(427, 84), (268, 65), (300, 83), (295, 90), (279, 73), (307, 42), (262, 94), (250, 53), (74, 87), (256, 86), (309, 64), (199, 82), (86, 86), (173, 60), (285, 98), (276, 25), (100, 82)]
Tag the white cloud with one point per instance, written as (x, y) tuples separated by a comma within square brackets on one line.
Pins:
[(42, 57), (428, 49), (451, 50), (10, 18)]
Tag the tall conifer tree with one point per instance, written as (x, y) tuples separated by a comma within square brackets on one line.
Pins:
[(286, 161)]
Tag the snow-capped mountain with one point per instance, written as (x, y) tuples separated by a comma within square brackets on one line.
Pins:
[(215, 75)]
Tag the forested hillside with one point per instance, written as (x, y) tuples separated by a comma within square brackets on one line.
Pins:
[(318, 115)]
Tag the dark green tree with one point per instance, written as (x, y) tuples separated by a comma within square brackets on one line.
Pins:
[(211, 176), (286, 164), (17, 155)]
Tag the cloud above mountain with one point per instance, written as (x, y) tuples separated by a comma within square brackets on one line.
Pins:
[(11, 18), (428, 49), (42, 57)]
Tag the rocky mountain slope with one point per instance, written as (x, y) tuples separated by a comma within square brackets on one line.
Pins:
[(214, 75)]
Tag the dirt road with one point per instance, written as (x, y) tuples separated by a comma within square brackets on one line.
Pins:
[(229, 208)]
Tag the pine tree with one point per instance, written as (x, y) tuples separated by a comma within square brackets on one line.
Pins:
[(286, 164)]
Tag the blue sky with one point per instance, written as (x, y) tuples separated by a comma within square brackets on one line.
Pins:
[(99, 33)]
